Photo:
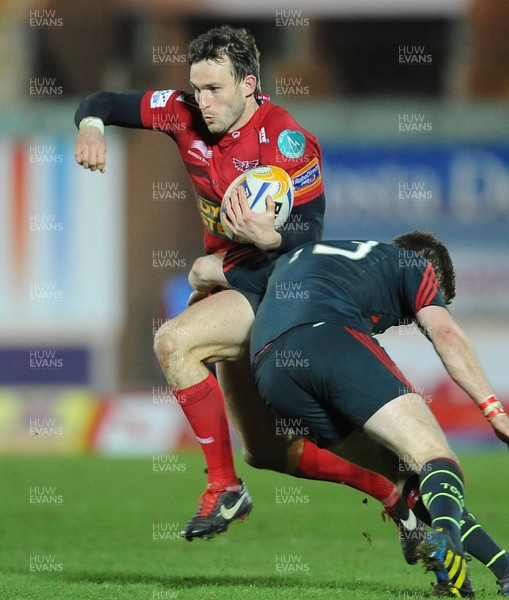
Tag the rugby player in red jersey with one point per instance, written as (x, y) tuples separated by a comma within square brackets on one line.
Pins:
[(222, 128)]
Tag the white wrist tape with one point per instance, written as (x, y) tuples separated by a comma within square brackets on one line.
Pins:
[(92, 122)]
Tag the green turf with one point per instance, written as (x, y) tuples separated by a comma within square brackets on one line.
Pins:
[(96, 528)]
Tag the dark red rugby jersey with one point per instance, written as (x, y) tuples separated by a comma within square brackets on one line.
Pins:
[(271, 137), (366, 285)]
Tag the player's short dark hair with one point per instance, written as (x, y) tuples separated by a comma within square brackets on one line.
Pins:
[(433, 250), (237, 44)]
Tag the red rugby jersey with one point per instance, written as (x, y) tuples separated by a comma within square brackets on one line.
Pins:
[(271, 137)]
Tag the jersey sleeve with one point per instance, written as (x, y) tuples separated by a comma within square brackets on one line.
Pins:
[(295, 150), (166, 111), (305, 224), (307, 179), (422, 289), (122, 109), (286, 144)]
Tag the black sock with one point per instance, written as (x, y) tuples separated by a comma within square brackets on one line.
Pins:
[(441, 486), (480, 545)]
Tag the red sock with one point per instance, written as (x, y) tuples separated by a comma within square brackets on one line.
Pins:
[(203, 405), (316, 463)]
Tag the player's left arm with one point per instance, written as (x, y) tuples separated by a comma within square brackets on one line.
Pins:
[(304, 225), (462, 363), (305, 222)]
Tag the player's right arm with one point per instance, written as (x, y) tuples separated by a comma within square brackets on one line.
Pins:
[(460, 359), (96, 111)]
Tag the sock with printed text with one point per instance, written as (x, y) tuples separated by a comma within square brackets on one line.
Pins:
[(441, 487), (476, 540)]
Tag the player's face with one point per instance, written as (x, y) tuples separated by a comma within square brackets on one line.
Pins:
[(225, 104)]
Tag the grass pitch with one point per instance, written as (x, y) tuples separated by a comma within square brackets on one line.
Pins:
[(92, 528)]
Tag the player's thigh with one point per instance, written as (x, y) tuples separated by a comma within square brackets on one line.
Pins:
[(216, 328), (263, 445), (369, 390), (291, 382), (361, 449), (408, 427), (332, 377)]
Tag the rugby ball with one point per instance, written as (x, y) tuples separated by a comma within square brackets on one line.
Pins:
[(260, 182)]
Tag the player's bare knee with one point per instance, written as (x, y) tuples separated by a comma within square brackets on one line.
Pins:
[(168, 341), (418, 460)]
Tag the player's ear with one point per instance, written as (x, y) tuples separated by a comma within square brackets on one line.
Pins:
[(249, 85)]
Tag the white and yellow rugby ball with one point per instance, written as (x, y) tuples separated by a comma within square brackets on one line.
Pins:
[(260, 182)]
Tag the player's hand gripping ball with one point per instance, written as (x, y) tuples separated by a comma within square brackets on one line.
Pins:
[(260, 182)]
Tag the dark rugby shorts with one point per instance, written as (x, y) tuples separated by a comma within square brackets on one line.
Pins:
[(328, 378), (247, 269)]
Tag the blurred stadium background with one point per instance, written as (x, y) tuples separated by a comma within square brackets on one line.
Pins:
[(410, 102)]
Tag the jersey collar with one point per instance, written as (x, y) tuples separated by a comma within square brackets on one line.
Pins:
[(254, 121)]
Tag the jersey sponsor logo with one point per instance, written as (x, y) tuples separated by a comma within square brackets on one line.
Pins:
[(200, 158), (262, 136), (160, 98), (200, 151), (307, 178), (202, 148), (245, 165), (291, 143), (209, 213)]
